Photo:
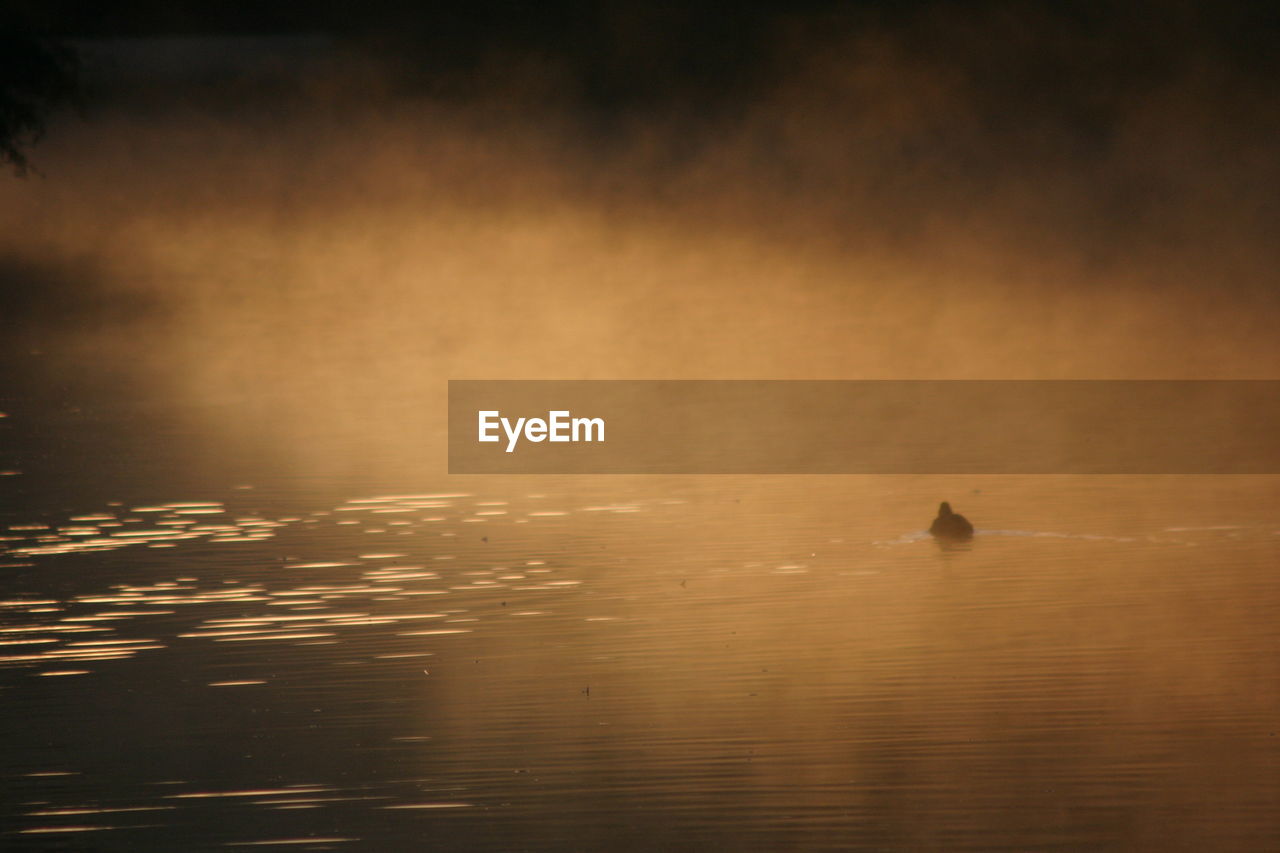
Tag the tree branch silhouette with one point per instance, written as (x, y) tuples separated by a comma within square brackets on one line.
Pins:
[(37, 75)]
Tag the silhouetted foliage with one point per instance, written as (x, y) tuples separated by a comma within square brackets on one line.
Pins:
[(37, 75)]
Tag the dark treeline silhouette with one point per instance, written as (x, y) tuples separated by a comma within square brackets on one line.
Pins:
[(1068, 67), (37, 75), (628, 54)]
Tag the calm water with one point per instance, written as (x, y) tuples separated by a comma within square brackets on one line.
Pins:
[(245, 656)]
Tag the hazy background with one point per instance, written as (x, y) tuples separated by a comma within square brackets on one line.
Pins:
[(235, 284), (302, 222)]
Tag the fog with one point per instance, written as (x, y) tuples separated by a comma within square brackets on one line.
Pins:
[(986, 194), (234, 285)]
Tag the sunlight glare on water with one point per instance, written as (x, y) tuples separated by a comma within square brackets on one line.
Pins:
[(642, 664)]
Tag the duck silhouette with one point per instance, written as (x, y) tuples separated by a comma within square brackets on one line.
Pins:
[(951, 525)]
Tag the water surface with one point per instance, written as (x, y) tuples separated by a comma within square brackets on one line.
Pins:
[(218, 660)]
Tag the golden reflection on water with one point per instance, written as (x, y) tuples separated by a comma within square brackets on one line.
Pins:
[(784, 661)]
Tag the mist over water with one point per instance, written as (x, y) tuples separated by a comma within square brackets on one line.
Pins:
[(935, 195), (245, 604)]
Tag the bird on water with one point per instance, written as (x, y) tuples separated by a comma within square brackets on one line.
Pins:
[(950, 525)]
